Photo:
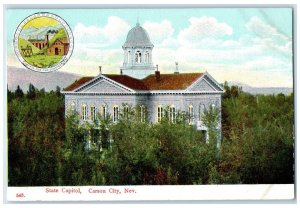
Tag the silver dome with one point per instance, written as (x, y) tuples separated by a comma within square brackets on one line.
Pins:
[(137, 36)]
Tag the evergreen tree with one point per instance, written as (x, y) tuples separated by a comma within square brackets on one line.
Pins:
[(19, 92), (31, 93)]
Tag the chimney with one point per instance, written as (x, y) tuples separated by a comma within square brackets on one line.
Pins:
[(121, 71), (176, 69), (47, 39), (100, 69), (157, 74)]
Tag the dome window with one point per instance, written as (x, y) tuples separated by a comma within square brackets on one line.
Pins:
[(147, 60), (129, 57), (138, 57)]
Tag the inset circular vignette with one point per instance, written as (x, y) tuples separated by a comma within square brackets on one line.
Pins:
[(43, 42)]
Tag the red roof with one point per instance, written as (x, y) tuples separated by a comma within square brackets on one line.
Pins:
[(78, 83), (166, 81), (171, 81), (130, 82)]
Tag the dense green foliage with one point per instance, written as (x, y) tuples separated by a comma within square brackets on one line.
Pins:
[(45, 148), (258, 145), (35, 130)]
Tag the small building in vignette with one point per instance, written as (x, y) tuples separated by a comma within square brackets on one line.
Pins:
[(141, 84), (59, 47)]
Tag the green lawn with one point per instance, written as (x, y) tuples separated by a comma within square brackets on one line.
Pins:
[(24, 43), (42, 61)]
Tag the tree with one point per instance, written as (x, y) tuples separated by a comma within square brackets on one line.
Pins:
[(31, 92), (57, 91), (35, 130), (19, 93), (259, 146)]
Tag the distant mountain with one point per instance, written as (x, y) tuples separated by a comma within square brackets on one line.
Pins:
[(262, 90), (38, 33), (48, 81)]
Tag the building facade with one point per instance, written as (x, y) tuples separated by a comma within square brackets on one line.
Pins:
[(60, 47), (141, 85)]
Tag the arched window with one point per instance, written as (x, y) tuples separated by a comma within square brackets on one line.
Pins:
[(103, 110), (191, 114), (142, 113), (147, 57), (201, 111), (129, 57), (138, 57), (84, 112), (93, 113), (159, 113), (172, 114), (116, 113), (215, 104), (126, 111), (72, 107)]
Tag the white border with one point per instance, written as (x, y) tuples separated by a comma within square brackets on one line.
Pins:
[(132, 3), (147, 193)]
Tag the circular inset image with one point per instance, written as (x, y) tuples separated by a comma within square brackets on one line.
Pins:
[(43, 42)]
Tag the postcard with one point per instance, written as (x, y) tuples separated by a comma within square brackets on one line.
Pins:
[(150, 103)]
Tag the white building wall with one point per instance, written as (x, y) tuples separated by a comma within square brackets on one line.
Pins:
[(180, 101)]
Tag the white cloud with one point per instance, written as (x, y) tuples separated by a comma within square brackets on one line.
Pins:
[(85, 61), (204, 28), (93, 36), (115, 28), (159, 31), (264, 30), (269, 36), (93, 47)]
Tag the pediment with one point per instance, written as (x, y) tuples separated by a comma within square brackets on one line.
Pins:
[(103, 86), (205, 84)]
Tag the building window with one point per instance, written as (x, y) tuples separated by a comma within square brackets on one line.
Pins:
[(201, 111), (138, 57), (116, 113), (213, 106), (129, 57), (147, 60), (103, 111), (126, 111), (172, 114), (72, 107), (84, 112), (159, 113), (142, 113), (95, 136), (191, 114), (93, 113)]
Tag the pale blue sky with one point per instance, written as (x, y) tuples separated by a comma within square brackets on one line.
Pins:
[(253, 46)]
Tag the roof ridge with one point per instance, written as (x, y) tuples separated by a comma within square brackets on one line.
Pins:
[(122, 75), (168, 81)]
